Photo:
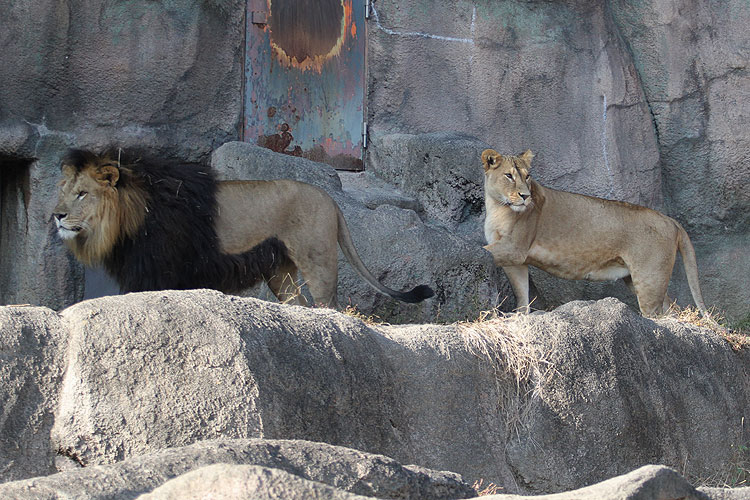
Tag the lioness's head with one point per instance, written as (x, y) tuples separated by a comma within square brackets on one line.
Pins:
[(92, 213), (507, 179)]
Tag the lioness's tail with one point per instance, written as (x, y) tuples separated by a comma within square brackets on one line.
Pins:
[(417, 294), (691, 267)]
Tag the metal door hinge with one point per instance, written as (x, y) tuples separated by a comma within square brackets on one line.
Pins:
[(367, 9), (364, 135), (259, 17)]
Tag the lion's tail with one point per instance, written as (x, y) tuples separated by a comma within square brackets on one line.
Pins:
[(691, 267), (417, 294), (236, 272)]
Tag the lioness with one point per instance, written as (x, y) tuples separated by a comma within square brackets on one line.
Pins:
[(154, 226), (574, 236)]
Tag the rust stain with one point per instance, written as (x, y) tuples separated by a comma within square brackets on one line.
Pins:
[(280, 142), (307, 33)]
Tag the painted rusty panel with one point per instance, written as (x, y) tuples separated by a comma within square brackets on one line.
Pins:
[(305, 78)]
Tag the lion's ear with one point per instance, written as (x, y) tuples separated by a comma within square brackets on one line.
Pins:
[(68, 170), (107, 174), (527, 156), (490, 159)]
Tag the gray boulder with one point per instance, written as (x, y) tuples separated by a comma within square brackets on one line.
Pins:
[(222, 481), (697, 84), (650, 482), (628, 391), (540, 403), (726, 493), (441, 170), (341, 469), (398, 247), (32, 346)]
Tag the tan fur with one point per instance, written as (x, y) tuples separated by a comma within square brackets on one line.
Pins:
[(574, 236), (102, 215), (309, 223)]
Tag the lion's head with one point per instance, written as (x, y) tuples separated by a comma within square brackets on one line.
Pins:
[(507, 179), (95, 209)]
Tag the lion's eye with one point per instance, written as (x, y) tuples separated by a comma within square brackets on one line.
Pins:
[(509, 176), (528, 177), (82, 194)]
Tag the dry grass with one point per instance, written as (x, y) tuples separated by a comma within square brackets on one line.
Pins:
[(737, 337), (371, 319), (520, 366), (486, 489)]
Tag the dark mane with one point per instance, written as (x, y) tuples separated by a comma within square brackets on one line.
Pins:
[(177, 247)]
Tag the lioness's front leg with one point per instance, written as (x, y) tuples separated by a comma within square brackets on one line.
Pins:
[(519, 280), (505, 254)]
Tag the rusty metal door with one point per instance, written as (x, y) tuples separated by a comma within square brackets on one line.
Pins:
[(305, 79)]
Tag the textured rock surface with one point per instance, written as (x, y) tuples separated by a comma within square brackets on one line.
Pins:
[(244, 481), (553, 77), (541, 403), (136, 73), (629, 391), (344, 469), (394, 243), (32, 343), (651, 482)]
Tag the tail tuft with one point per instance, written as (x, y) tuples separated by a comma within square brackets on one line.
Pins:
[(417, 294)]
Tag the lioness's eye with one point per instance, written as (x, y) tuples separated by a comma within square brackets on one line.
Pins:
[(82, 194), (509, 176)]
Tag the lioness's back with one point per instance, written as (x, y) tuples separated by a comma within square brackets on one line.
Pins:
[(592, 221)]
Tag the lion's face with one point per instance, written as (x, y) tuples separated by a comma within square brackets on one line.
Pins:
[(507, 179), (80, 196), (86, 214)]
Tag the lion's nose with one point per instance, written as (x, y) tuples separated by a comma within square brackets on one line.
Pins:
[(524, 196), (59, 216)]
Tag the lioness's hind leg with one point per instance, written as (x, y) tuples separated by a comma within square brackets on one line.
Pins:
[(651, 291), (285, 287)]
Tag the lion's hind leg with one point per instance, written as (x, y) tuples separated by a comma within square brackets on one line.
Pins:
[(284, 285)]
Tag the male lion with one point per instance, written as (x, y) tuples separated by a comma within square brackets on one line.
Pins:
[(159, 226), (574, 236)]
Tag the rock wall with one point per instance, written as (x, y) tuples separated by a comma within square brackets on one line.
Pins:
[(538, 403)]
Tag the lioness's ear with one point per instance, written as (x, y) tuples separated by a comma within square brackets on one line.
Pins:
[(107, 174), (490, 159), (527, 156)]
